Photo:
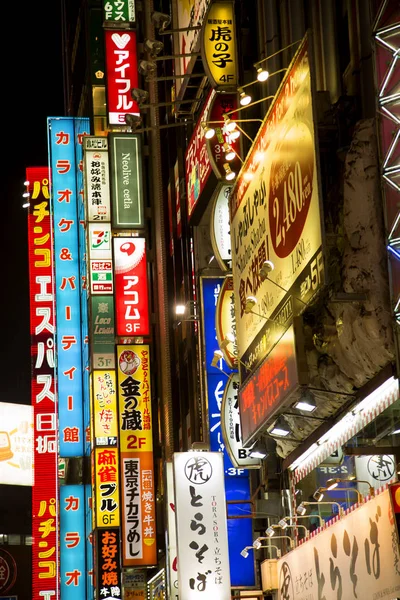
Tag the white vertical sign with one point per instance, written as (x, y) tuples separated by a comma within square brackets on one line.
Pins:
[(97, 179), (201, 526)]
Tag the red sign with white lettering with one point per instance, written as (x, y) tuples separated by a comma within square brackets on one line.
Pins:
[(44, 491), (270, 384), (131, 293), (122, 74)]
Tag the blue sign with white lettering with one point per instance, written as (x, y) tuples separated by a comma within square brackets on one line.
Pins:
[(72, 542), (237, 483)]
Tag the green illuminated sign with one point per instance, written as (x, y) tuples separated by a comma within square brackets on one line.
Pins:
[(119, 11)]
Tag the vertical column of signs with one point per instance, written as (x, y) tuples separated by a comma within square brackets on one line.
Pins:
[(45, 550), (69, 366), (65, 142), (136, 456)]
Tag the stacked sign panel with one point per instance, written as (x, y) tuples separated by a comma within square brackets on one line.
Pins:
[(69, 365), (237, 483), (45, 550), (136, 457), (201, 526)]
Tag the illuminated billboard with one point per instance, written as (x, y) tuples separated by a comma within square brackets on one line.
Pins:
[(44, 400), (122, 74), (16, 444)]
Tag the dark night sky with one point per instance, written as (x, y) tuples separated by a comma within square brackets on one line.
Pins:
[(31, 91)]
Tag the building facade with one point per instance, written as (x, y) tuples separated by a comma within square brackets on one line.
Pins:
[(237, 239)]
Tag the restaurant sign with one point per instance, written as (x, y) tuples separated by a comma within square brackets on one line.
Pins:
[(357, 557)]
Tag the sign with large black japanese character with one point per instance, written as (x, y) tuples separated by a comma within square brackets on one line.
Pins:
[(230, 426), (356, 558), (218, 50), (201, 526)]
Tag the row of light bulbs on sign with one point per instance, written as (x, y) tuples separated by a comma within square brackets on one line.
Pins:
[(291, 521)]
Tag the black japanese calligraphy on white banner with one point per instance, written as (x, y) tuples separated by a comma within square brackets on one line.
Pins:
[(356, 558), (200, 509)]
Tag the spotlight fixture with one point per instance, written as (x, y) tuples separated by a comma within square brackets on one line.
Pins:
[(257, 543), (218, 355), (209, 132), (318, 495), (26, 183), (140, 96), (229, 152), (244, 552), (262, 74), (133, 121), (228, 339), (251, 301), (180, 309), (147, 67), (160, 20), (267, 267), (26, 195), (233, 135), (334, 482), (302, 507), (26, 205), (306, 403), (270, 531), (280, 428), (154, 47), (229, 124), (245, 99), (259, 450), (283, 523), (229, 174)]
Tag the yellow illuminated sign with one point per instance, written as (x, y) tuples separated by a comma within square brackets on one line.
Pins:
[(134, 398), (105, 405), (219, 46), (107, 487)]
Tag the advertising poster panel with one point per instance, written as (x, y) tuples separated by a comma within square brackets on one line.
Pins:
[(358, 555), (139, 546), (108, 583), (62, 135), (237, 484), (72, 541), (131, 292), (201, 524), (126, 180), (97, 179), (122, 74), (107, 487), (45, 552), (16, 444), (275, 216)]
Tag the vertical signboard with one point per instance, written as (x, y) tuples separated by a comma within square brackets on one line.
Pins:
[(237, 484), (45, 550), (89, 540), (122, 74), (201, 526), (136, 458), (107, 487), (105, 417), (126, 180), (103, 332), (221, 227), (131, 293), (97, 183), (108, 584), (279, 186), (69, 362), (72, 542), (119, 12), (218, 50)]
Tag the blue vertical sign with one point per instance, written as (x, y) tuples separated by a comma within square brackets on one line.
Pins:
[(72, 542), (237, 483), (61, 132), (89, 541), (82, 127)]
